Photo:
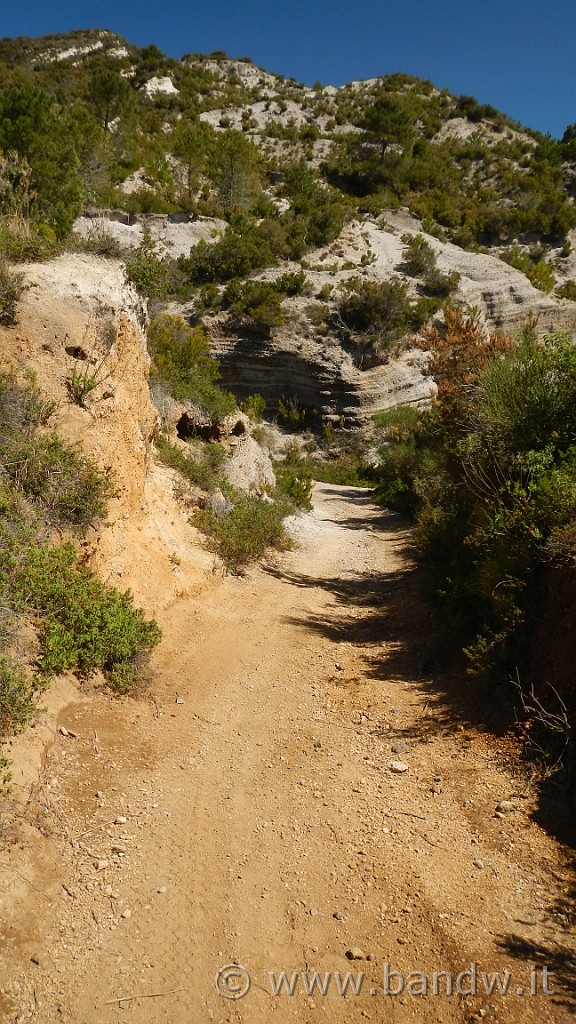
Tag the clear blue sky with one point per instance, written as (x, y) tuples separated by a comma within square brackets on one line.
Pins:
[(518, 55)]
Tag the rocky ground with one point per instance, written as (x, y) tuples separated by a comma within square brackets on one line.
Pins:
[(301, 788)]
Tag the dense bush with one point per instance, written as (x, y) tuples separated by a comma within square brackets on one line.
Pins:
[(182, 362), (242, 249), (419, 259), (490, 474), (150, 273), (33, 125), (375, 315), (254, 304), (85, 624), (79, 622), (243, 533)]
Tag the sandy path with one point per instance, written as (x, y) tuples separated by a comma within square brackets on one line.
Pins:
[(260, 822)]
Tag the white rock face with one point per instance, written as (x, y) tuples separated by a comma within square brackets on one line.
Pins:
[(173, 238), (161, 85), (250, 468), (73, 51)]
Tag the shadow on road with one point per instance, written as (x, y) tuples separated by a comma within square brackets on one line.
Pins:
[(557, 958), (389, 619)]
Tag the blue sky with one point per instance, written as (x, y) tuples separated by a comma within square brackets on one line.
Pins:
[(518, 55)]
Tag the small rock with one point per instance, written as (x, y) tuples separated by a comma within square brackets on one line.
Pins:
[(126, 913), (355, 953), (400, 748), (478, 864), (338, 665), (313, 912), (99, 794), (63, 730), (398, 767), (101, 864), (161, 888), (317, 744), (505, 806), (338, 916), (35, 960), (120, 820)]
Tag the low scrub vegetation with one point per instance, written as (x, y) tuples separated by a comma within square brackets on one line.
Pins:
[(201, 466), (252, 524), (182, 363), (537, 270), (11, 288), (244, 532), (375, 315), (79, 622)]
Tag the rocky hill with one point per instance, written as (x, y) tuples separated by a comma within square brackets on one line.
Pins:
[(209, 170), (277, 178)]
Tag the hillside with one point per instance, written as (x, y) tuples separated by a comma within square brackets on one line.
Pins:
[(287, 545)]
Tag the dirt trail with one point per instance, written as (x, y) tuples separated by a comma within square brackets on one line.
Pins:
[(245, 812)]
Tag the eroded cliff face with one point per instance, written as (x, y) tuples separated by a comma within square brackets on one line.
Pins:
[(80, 315), (322, 373)]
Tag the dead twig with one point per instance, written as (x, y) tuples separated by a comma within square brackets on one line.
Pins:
[(144, 995), (94, 828)]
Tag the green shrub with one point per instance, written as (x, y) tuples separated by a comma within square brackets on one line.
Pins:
[(419, 259), (490, 473), (150, 273), (65, 483), (254, 406), (243, 533), (399, 422), (348, 469), (538, 272), (294, 478), (441, 285), (182, 362), (85, 624), (567, 290), (254, 304), (17, 704), (203, 467), (242, 249), (290, 414), (291, 283), (376, 314), (11, 288)]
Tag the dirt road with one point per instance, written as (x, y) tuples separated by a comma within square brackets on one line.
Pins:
[(295, 793)]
